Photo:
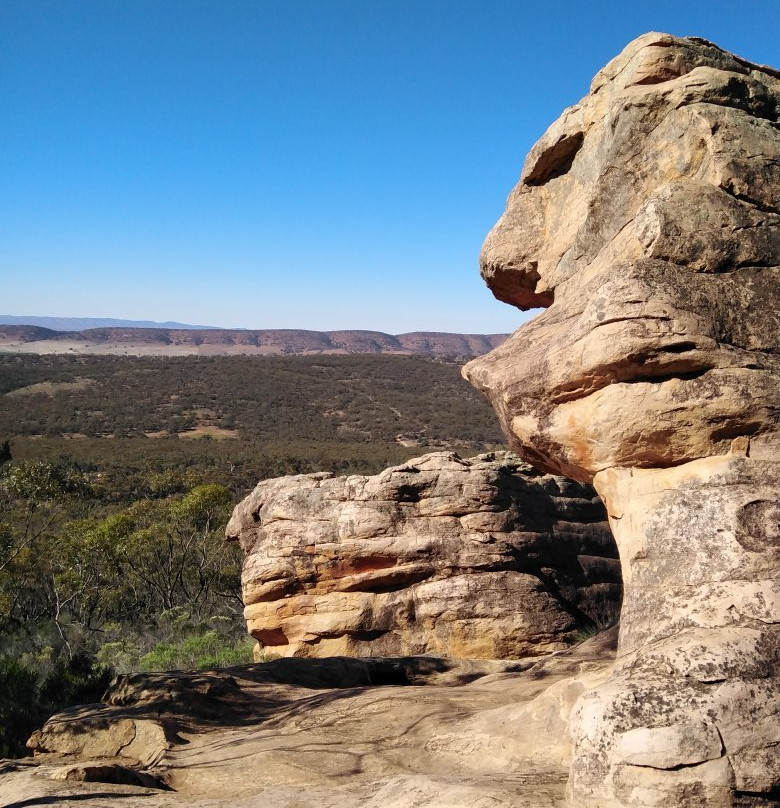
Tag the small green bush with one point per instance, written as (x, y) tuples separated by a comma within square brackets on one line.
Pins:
[(16, 722), (30, 694), (199, 652)]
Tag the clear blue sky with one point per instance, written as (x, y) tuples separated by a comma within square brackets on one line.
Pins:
[(291, 164)]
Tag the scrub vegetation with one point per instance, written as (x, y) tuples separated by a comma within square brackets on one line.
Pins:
[(117, 476)]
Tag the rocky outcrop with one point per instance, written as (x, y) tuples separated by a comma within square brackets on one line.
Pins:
[(480, 558), (650, 212), (240, 342), (414, 732), (647, 220)]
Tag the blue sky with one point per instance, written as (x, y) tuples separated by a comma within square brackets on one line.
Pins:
[(314, 164)]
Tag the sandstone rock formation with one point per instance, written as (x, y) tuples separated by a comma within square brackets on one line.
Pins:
[(647, 221), (481, 558), (337, 733)]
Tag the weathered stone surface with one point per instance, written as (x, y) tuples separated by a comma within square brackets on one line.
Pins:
[(106, 773), (647, 219), (697, 673), (85, 732), (481, 558), (650, 214), (414, 732)]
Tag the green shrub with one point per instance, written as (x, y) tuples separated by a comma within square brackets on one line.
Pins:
[(29, 694), (17, 720), (199, 652)]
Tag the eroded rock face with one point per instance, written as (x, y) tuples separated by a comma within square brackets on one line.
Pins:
[(691, 714), (650, 214), (647, 220), (481, 558)]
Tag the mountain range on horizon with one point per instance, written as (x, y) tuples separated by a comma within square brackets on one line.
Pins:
[(139, 340)]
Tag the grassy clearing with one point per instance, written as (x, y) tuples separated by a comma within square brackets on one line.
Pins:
[(51, 388), (213, 432)]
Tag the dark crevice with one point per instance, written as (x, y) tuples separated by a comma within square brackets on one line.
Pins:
[(665, 377), (765, 111), (757, 799), (611, 320), (556, 160), (368, 635), (748, 200), (679, 767), (380, 589), (384, 585), (58, 799), (408, 493), (736, 430), (615, 377), (658, 78), (680, 347)]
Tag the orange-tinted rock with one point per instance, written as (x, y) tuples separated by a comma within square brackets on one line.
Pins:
[(647, 219), (480, 558)]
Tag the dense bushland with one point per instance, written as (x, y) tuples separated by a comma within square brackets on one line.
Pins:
[(323, 398), (87, 589), (117, 476)]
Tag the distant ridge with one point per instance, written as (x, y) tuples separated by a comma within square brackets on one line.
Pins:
[(138, 341), (81, 323)]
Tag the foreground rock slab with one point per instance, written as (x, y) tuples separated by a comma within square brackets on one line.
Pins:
[(647, 221), (479, 558), (418, 732)]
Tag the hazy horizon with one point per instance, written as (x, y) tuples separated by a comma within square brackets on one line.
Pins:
[(64, 323)]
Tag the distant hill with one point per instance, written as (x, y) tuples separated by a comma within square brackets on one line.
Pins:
[(81, 323), (138, 341)]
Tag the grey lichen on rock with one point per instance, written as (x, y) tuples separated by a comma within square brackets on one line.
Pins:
[(647, 221), (479, 558)]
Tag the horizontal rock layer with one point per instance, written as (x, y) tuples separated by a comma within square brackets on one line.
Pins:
[(479, 558)]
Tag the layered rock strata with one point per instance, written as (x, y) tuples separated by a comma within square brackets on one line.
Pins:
[(479, 558), (647, 221)]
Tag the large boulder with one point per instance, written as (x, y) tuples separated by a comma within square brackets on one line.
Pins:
[(480, 558), (647, 221), (650, 214)]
